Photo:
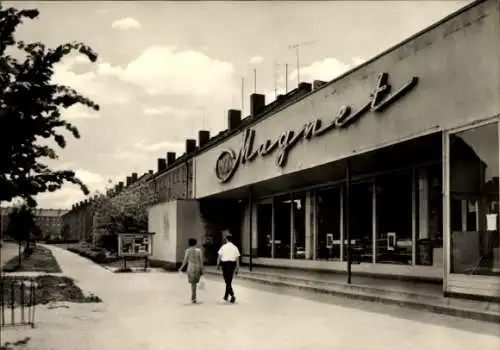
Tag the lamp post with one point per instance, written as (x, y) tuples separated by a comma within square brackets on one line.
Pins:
[(250, 207), (347, 219)]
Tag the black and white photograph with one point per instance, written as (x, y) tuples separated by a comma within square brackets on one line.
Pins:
[(248, 175)]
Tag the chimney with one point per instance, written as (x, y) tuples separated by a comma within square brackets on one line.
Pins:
[(257, 104), (318, 83), (170, 158), (150, 172), (306, 87), (161, 164), (120, 185), (203, 137), (233, 118), (129, 180), (190, 145), (134, 177)]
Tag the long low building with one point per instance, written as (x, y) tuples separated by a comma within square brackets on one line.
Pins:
[(396, 161)]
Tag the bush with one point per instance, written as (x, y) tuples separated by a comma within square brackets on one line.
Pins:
[(124, 270), (28, 251), (61, 241), (97, 255)]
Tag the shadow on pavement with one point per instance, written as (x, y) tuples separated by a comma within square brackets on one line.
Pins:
[(15, 345)]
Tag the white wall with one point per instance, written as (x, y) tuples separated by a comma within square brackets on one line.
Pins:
[(189, 225), (162, 219), (458, 84)]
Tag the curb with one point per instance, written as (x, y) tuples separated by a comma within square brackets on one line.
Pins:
[(410, 304)]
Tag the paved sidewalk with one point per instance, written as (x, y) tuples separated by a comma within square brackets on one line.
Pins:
[(424, 296), (152, 311)]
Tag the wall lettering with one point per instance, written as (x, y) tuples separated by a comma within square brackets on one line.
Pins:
[(381, 97)]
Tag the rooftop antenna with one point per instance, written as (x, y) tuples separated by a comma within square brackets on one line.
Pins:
[(275, 80), (242, 93), (286, 78), (297, 54), (255, 80)]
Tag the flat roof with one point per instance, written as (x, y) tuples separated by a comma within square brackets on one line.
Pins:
[(216, 140)]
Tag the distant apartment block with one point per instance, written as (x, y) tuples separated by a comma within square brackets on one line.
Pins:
[(48, 220)]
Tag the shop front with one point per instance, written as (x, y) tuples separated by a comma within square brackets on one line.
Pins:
[(397, 159)]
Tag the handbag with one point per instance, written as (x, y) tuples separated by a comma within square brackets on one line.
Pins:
[(201, 284)]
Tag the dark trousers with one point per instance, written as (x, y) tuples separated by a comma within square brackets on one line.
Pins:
[(228, 268)]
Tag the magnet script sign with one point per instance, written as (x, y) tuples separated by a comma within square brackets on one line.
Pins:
[(380, 98)]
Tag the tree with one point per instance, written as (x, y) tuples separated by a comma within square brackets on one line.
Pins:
[(66, 232), (22, 226), (30, 111), (124, 211)]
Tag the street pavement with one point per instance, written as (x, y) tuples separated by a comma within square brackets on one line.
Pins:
[(152, 311), (8, 251)]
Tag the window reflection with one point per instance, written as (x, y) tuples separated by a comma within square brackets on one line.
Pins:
[(299, 225), (282, 226), (394, 218), (264, 229), (474, 162), (361, 222), (329, 221)]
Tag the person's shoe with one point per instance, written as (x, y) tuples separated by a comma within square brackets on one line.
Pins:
[(225, 298), (193, 301), (233, 299)]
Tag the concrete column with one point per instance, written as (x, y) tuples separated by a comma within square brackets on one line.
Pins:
[(255, 236), (423, 204), (245, 232), (309, 223)]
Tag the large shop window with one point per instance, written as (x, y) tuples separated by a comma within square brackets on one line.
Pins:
[(299, 225), (429, 215), (264, 229), (474, 201), (329, 221), (394, 218), (282, 226), (361, 222)]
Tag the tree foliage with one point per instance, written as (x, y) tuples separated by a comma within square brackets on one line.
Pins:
[(30, 111), (125, 211), (22, 226)]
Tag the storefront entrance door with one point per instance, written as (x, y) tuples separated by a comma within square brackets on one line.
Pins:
[(472, 225)]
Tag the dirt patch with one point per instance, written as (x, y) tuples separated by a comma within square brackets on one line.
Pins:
[(47, 289), (41, 260)]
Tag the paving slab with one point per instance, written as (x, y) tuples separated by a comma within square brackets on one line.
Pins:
[(152, 311)]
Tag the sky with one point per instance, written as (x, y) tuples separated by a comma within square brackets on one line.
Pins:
[(168, 69)]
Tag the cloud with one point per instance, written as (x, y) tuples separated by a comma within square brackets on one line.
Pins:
[(98, 82), (163, 110), (358, 60), (126, 23), (157, 71), (256, 60), (89, 177), (164, 145), (162, 70), (124, 155), (324, 70), (70, 194), (79, 112)]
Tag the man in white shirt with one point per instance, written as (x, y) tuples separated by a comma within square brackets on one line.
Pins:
[(229, 259)]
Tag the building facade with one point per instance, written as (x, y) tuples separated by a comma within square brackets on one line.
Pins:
[(396, 162), (172, 214), (85, 218), (48, 220)]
